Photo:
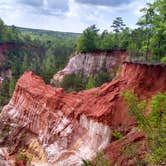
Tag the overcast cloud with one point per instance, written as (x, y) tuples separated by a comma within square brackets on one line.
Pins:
[(105, 2), (69, 15)]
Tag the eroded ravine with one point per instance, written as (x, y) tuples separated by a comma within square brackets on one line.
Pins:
[(73, 126)]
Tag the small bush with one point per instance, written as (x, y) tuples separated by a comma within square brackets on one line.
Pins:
[(21, 156), (117, 135), (153, 125), (129, 150), (99, 160), (163, 60)]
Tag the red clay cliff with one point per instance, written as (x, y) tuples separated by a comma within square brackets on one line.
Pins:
[(72, 126)]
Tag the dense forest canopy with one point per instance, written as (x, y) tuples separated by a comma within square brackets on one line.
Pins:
[(44, 52)]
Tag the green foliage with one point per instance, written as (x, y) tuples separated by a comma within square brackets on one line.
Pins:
[(154, 124), (118, 25), (116, 134), (145, 43), (91, 40), (12, 86), (91, 83), (106, 41), (153, 22), (163, 60), (130, 150), (101, 78), (72, 82), (44, 52), (136, 108), (87, 41), (4, 92), (21, 156), (8, 34), (86, 163), (99, 160), (77, 82)]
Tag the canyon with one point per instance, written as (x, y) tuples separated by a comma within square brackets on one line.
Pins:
[(91, 63), (60, 128)]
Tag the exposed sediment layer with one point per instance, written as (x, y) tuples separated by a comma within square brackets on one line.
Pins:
[(72, 126), (91, 63)]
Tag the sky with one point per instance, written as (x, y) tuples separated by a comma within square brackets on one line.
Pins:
[(70, 15)]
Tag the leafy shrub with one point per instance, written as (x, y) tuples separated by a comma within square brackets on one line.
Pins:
[(72, 82), (99, 160), (91, 83), (21, 156), (130, 150), (116, 134), (102, 77), (163, 60), (153, 125)]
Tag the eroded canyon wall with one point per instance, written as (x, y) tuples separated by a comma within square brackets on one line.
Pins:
[(72, 126), (91, 63)]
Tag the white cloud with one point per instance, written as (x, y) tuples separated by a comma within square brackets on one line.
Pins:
[(66, 15)]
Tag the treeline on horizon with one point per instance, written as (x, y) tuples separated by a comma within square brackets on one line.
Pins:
[(146, 41), (45, 53)]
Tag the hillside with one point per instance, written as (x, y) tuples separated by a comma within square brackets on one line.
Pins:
[(48, 32), (54, 35)]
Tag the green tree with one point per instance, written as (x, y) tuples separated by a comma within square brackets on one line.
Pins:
[(73, 82), (154, 21), (153, 125), (2, 29), (163, 60), (102, 77), (99, 160), (91, 83), (146, 23), (118, 25), (4, 92), (87, 41), (135, 44), (49, 65), (12, 85), (106, 41)]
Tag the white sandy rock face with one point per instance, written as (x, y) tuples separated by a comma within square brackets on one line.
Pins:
[(93, 138), (90, 63), (66, 141)]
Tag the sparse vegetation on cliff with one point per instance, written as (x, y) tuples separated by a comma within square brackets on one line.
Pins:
[(99, 160), (77, 82)]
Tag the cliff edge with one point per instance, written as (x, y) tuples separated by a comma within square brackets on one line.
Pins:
[(90, 63)]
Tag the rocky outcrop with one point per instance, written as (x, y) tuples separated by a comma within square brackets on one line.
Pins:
[(72, 126), (90, 63)]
